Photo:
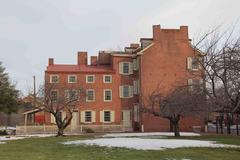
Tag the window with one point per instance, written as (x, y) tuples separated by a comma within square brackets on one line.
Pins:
[(126, 68), (72, 79), (136, 64), (54, 96), (193, 63), (126, 91), (72, 95), (90, 78), (107, 116), (90, 95), (107, 95), (194, 84), (107, 78), (88, 116), (54, 79)]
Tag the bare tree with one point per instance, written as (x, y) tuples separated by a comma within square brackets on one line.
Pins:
[(222, 72), (182, 101), (57, 99)]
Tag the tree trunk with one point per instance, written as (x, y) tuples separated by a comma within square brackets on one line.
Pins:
[(60, 132), (228, 124), (175, 123), (237, 122), (8, 120), (221, 123), (171, 126), (217, 121), (176, 129)]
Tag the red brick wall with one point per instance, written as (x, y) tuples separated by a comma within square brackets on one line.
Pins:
[(165, 65)]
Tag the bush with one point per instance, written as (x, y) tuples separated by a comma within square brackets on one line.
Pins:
[(3, 132), (88, 130)]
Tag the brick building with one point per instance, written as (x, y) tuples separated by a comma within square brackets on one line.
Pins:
[(117, 82)]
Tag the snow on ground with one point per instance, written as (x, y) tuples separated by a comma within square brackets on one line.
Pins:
[(36, 135), (147, 144), (8, 138), (149, 134)]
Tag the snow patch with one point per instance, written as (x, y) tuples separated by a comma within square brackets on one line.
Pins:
[(147, 144), (149, 134), (2, 142), (8, 138)]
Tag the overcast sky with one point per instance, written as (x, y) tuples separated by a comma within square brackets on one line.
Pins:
[(31, 31)]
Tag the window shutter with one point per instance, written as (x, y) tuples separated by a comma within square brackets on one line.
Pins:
[(134, 64), (82, 116), (93, 116), (121, 91), (130, 91), (138, 87), (136, 115), (130, 68), (190, 83), (112, 116), (137, 63), (135, 90), (53, 119), (120, 68), (66, 94), (189, 63), (101, 116)]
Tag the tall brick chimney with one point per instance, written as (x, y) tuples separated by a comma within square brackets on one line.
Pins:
[(50, 61), (134, 45), (82, 58), (156, 32), (184, 31), (93, 60)]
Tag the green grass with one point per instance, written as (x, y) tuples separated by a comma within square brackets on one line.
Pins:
[(51, 149)]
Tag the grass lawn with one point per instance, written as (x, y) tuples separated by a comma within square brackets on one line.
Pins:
[(50, 149)]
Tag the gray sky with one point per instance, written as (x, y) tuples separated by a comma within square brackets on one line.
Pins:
[(31, 31)]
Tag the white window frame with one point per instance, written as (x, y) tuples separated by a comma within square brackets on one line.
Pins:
[(72, 76), (85, 116), (87, 100), (121, 89), (55, 90), (67, 94), (190, 64), (104, 95), (109, 117), (89, 76), (51, 78), (130, 68), (104, 76)]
